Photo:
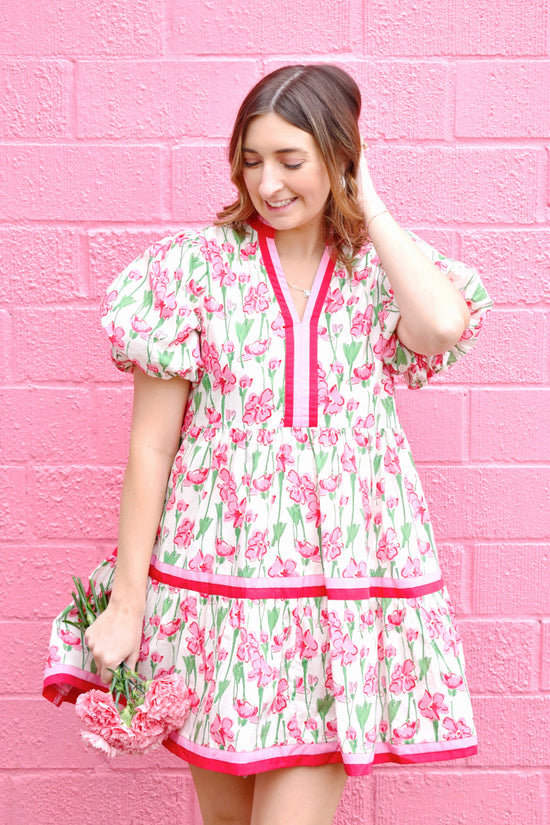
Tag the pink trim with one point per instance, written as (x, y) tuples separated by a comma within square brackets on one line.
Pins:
[(238, 587), (66, 683), (241, 764)]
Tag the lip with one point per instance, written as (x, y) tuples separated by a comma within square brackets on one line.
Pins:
[(278, 209)]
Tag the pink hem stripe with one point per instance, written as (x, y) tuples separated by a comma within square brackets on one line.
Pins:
[(238, 588), (66, 683)]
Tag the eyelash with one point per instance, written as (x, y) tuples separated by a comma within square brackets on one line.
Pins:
[(253, 165)]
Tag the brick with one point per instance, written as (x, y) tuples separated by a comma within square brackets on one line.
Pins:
[(80, 182), (515, 263), (422, 797), (502, 656), (112, 421), (356, 805), (75, 502), (160, 99), (246, 28), (200, 182), (471, 27), (127, 794), (35, 98), (13, 501), (46, 570), (456, 565), (459, 184), (488, 502), (108, 27), (509, 351), (111, 250), (6, 344), (41, 265), (434, 421), (32, 420), (24, 645), (510, 425), (62, 344), (511, 731), (545, 659), (506, 99), (512, 579)]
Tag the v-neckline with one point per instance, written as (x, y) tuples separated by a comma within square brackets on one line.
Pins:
[(272, 263)]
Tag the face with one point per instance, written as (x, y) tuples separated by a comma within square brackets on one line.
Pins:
[(285, 174)]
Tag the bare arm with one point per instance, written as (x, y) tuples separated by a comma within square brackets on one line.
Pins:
[(433, 312), (156, 426)]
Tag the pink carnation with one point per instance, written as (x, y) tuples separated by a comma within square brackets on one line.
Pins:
[(169, 700)]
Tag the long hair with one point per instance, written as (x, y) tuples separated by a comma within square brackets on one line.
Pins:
[(324, 101)]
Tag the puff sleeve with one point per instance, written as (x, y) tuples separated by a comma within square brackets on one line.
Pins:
[(152, 310), (418, 369)]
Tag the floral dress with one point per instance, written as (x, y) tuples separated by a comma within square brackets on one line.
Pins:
[(294, 580)]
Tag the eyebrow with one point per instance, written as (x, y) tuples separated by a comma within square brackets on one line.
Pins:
[(277, 151)]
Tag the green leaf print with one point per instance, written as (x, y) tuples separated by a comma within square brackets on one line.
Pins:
[(376, 463), (479, 294), (363, 712), (243, 329), (278, 530), (324, 705), (165, 358), (351, 351), (273, 617), (220, 617), (353, 529), (400, 356), (320, 461), (204, 524), (424, 662), (393, 707), (294, 513), (238, 673), (166, 605), (190, 664), (171, 558), (222, 687), (265, 731), (126, 302), (405, 533)]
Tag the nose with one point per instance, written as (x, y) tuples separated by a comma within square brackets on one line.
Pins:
[(270, 182)]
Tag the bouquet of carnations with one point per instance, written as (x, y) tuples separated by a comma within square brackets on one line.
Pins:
[(136, 715)]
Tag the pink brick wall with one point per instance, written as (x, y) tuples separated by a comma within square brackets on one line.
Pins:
[(114, 116)]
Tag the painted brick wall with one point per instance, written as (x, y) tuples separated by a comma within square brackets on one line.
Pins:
[(114, 116)]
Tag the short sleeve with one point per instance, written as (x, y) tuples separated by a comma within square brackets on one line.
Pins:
[(152, 310), (418, 369)]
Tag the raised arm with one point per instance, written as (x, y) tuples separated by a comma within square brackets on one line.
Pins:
[(433, 312), (158, 411)]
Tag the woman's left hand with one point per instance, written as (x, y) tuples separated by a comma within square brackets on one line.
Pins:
[(367, 196)]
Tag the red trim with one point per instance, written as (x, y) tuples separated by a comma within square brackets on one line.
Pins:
[(311, 759), (55, 688), (275, 591), (314, 343)]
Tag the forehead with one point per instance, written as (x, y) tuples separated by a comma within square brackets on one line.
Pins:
[(272, 133)]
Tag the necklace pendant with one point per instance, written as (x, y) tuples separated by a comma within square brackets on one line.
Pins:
[(307, 292)]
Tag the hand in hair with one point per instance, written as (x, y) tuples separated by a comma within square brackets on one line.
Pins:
[(367, 195)]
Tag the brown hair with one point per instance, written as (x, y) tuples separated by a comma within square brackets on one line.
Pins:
[(324, 101)]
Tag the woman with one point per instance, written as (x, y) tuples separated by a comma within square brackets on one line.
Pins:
[(274, 543)]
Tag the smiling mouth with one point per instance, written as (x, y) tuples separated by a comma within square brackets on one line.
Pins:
[(280, 204)]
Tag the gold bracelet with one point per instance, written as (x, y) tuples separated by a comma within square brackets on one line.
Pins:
[(382, 212)]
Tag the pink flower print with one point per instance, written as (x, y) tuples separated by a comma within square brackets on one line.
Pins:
[(220, 730), (405, 731), (307, 646), (332, 544), (169, 629), (433, 623), (395, 618), (236, 511), (392, 502), (213, 307), (249, 250), (385, 347), (224, 549), (294, 731), (257, 546), (360, 275), (388, 546), (245, 710), (334, 301), (333, 401), (184, 533), (351, 734), (278, 326), (140, 326), (403, 677), (256, 348), (308, 550), (344, 648), (417, 506), (207, 666), (362, 373), (370, 685), (219, 457), (263, 483), (249, 646), (412, 634), (302, 488), (221, 272), (195, 288), (411, 568), (261, 671), (53, 658), (107, 302), (453, 681), (330, 484), (456, 729), (280, 702), (361, 323), (188, 608), (355, 570), (224, 379), (258, 408), (202, 563), (166, 304), (451, 641), (256, 299), (144, 648), (332, 729), (282, 568), (115, 335), (348, 460), (391, 461), (197, 476), (69, 638), (328, 436), (431, 706), (337, 367)]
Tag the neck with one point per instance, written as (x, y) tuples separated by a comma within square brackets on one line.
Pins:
[(303, 242)]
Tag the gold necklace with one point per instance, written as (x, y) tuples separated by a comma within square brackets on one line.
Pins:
[(307, 292)]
